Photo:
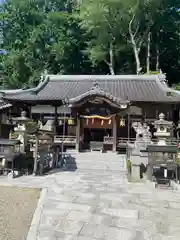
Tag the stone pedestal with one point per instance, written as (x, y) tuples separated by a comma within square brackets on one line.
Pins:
[(135, 172), (114, 133), (149, 172), (77, 134)]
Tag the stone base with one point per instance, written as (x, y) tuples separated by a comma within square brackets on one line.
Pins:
[(14, 174), (135, 172), (174, 185)]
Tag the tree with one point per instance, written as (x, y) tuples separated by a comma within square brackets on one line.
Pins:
[(115, 25), (18, 18), (141, 19), (104, 22), (93, 36), (166, 38), (40, 35)]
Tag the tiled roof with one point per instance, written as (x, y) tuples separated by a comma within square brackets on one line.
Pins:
[(135, 88), (4, 105)]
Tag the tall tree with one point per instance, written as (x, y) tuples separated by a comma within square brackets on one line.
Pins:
[(93, 36), (115, 25), (166, 38), (141, 19), (104, 21), (40, 35)]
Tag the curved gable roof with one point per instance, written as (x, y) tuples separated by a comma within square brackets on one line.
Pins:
[(135, 88)]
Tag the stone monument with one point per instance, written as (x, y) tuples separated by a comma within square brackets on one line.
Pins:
[(139, 159), (162, 129), (143, 137)]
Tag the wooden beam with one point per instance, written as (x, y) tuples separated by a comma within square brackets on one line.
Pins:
[(114, 132), (77, 134)]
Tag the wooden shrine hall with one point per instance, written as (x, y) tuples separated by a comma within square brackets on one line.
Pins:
[(97, 111)]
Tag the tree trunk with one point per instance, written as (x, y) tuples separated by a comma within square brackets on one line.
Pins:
[(148, 53), (136, 54), (135, 49), (111, 60), (157, 58)]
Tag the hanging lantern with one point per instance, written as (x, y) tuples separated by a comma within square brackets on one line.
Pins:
[(60, 122), (102, 122), (109, 121), (87, 121), (70, 122), (122, 122), (92, 120)]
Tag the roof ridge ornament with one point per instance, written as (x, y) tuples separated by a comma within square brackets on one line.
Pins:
[(43, 75), (162, 76), (96, 85)]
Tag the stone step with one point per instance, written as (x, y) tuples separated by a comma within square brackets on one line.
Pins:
[(95, 160), (94, 154), (89, 165), (100, 167)]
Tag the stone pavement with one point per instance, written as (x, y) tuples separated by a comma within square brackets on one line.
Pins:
[(99, 204)]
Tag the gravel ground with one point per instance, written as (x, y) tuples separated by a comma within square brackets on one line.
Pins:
[(17, 206)]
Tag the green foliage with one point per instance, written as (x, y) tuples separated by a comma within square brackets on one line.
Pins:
[(177, 87), (152, 72), (107, 24), (86, 37), (128, 165), (39, 35)]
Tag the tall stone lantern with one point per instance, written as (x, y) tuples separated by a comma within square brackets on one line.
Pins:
[(21, 130), (162, 129)]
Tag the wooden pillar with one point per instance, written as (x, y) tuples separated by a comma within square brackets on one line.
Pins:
[(30, 112), (114, 132), (35, 154), (56, 149), (150, 167), (0, 123), (55, 119), (129, 127), (77, 134)]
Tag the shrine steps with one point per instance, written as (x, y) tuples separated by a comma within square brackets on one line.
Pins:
[(95, 160)]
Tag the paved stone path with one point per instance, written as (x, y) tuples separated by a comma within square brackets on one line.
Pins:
[(98, 204)]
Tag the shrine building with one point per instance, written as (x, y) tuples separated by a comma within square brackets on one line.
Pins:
[(92, 111)]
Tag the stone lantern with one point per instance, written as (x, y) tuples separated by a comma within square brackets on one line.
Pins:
[(162, 129), (21, 130)]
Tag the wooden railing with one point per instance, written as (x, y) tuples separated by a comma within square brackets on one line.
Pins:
[(155, 140), (125, 140), (108, 140), (65, 139)]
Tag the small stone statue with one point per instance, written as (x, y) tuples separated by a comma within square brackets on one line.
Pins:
[(146, 132), (43, 75), (143, 136), (142, 131), (23, 114)]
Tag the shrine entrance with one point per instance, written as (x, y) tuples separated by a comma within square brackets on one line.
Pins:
[(97, 125), (94, 130), (96, 119)]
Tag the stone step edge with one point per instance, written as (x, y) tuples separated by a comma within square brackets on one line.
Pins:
[(142, 182)]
